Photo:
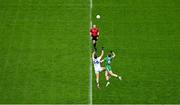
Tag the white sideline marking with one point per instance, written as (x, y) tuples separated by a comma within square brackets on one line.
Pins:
[(90, 65)]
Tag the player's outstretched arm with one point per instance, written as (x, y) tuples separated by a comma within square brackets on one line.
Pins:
[(102, 61), (102, 52), (113, 54), (93, 54)]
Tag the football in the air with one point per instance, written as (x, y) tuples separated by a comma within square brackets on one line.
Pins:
[(98, 16)]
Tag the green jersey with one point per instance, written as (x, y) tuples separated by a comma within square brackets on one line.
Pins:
[(107, 61)]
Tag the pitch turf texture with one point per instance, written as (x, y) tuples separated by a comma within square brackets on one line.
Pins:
[(44, 48)]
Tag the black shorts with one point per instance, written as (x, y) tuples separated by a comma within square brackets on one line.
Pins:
[(95, 38)]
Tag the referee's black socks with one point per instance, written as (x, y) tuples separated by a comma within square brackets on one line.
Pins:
[(94, 45)]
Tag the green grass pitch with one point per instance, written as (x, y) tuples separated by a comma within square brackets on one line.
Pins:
[(43, 57), (44, 51)]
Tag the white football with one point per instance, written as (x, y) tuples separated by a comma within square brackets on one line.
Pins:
[(98, 16)]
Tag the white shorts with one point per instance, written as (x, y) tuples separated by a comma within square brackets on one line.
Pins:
[(97, 69)]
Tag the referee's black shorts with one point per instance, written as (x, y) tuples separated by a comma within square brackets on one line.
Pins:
[(95, 38)]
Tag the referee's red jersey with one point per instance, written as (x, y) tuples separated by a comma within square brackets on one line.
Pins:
[(94, 32)]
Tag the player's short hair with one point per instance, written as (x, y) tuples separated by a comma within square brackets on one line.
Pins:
[(94, 25), (109, 54), (95, 56)]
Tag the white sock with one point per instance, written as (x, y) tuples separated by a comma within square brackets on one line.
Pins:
[(97, 81)]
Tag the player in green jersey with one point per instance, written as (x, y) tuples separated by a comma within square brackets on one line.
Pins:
[(107, 61)]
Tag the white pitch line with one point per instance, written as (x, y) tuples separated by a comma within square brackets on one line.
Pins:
[(90, 65)]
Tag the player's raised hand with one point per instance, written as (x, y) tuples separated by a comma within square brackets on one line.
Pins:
[(102, 48), (95, 49), (102, 53), (113, 54)]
